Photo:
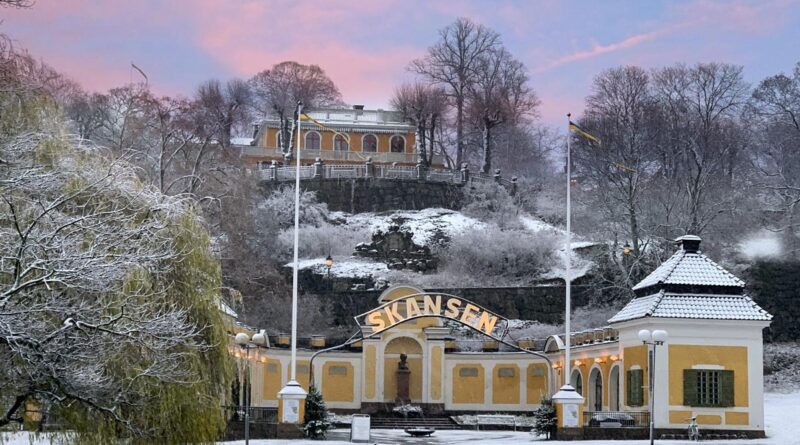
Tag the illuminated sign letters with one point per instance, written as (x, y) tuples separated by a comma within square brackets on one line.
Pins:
[(446, 306)]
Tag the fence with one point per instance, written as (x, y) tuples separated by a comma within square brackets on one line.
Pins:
[(616, 419), (320, 170), (258, 414)]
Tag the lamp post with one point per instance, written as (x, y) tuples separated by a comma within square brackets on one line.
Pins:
[(247, 343), (654, 339), (329, 264)]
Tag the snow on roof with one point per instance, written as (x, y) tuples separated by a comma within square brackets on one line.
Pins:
[(347, 117), (693, 306), (690, 268)]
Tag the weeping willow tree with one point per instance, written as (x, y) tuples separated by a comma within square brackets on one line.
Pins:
[(109, 291)]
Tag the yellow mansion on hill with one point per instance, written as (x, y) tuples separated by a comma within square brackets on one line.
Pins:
[(342, 136), (709, 368)]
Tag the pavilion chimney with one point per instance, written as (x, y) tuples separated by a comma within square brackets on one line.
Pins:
[(689, 243)]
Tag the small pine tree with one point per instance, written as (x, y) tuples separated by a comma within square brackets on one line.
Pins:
[(317, 417), (545, 418)]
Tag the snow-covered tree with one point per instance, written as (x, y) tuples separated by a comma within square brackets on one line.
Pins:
[(317, 419), (109, 313), (545, 418)]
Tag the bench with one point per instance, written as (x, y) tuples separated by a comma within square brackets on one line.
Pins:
[(496, 420)]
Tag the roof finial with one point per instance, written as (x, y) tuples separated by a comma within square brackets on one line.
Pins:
[(689, 243)]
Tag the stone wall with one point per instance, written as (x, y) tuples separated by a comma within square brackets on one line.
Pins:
[(378, 195)]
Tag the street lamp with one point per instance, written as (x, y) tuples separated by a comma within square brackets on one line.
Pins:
[(258, 340), (329, 264), (655, 338)]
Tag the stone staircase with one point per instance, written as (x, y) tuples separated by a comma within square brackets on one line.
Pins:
[(398, 423)]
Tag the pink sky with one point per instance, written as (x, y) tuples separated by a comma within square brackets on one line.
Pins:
[(365, 47)]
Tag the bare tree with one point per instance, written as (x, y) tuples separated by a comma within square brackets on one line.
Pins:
[(774, 109), (453, 62), (226, 105), (423, 105), (499, 95), (278, 89), (702, 104)]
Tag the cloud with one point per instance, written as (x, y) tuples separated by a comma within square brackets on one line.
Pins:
[(598, 50)]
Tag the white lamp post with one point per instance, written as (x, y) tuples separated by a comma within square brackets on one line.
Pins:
[(654, 339), (247, 343)]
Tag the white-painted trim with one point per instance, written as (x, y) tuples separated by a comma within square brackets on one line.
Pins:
[(709, 367), (590, 390), (305, 139), (336, 135), (616, 366), (377, 143), (405, 143)]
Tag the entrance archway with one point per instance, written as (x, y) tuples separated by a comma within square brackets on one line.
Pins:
[(613, 389), (595, 392), (391, 358)]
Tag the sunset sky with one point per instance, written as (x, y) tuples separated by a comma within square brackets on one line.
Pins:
[(365, 46)]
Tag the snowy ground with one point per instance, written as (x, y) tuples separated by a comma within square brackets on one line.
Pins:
[(782, 429)]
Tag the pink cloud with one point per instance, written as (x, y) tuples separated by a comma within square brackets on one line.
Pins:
[(598, 50)]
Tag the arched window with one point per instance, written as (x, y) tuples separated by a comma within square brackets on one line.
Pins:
[(398, 144), (340, 143), (577, 381), (278, 139), (595, 390), (369, 143), (312, 141)]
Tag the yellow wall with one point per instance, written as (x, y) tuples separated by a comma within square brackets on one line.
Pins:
[(272, 379), (338, 387), (270, 140), (733, 358), (505, 389), (467, 389), (537, 384), (437, 354), (370, 362), (637, 355), (302, 373)]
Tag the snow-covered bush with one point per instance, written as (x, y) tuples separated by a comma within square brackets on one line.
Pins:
[(493, 256), (491, 203), (320, 241), (782, 366), (277, 210)]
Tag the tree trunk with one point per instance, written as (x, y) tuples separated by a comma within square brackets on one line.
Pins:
[(431, 139), (421, 149), (459, 130), (487, 151)]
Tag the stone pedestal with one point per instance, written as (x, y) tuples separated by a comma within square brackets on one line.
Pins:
[(569, 413), (403, 385), (291, 410)]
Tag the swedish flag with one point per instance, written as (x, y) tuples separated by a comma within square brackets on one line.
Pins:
[(574, 127)]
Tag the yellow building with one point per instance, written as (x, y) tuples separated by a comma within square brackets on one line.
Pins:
[(345, 136), (710, 367)]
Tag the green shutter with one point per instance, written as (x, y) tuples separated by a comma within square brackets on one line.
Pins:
[(726, 388), (633, 388), (690, 387)]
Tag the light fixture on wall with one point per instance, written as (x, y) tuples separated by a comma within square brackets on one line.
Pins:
[(578, 363), (599, 360), (614, 358)]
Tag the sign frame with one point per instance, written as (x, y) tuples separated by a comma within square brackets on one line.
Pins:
[(463, 312)]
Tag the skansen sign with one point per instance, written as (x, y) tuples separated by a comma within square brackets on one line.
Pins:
[(445, 306)]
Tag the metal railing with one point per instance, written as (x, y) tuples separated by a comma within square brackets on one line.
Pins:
[(258, 414), (371, 170), (339, 155), (616, 419)]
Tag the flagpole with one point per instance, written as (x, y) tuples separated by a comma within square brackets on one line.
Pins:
[(568, 261), (293, 373)]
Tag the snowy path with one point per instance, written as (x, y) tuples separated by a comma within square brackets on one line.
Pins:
[(783, 428)]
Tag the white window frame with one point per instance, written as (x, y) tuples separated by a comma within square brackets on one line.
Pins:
[(377, 143), (405, 143), (305, 140)]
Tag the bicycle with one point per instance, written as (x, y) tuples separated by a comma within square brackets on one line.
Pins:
[(693, 431)]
